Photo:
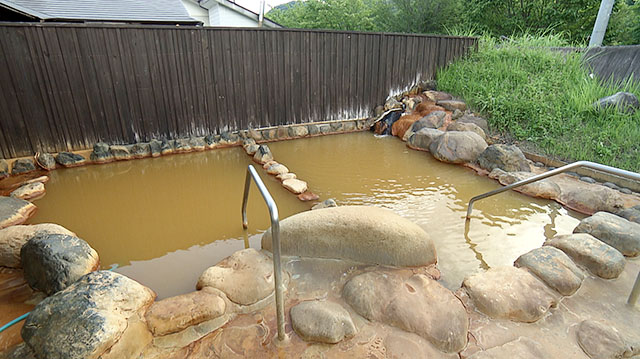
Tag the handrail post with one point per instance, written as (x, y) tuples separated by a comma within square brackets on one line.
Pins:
[(275, 240), (635, 292)]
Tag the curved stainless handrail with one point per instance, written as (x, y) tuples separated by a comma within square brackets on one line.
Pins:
[(588, 164), (635, 292), (275, 238)]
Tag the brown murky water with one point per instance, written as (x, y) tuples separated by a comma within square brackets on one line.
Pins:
[(165, 220)]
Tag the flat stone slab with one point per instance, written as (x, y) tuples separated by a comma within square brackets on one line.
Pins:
[(246, 277), (14, 211), (29, 191), (510, 293), (295, 185), (543, 189), (52, 262), (598, 257), (360, 233), (321, 321), (174, 314), (13, 238), (521, 348), (86, 319), (418, 305), (554, 267), (615, 231)]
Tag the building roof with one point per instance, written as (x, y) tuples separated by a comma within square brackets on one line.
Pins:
[(150, 11)]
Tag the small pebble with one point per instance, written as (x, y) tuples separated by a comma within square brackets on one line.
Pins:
[(572, 174), (539, 164), (611, 185), (587, 179), (626, 191), (551, 168)]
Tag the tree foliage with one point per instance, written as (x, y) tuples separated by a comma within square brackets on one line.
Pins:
[(573, 19)]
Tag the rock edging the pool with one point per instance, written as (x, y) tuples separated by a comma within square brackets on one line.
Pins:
[(360, 233), (113, 316)]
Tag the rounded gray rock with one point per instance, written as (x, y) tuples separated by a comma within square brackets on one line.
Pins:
[(554, 267), (22, 165), (324, 322), (457, 147), (600, 341), (52, 262), (598, 257), (422, 139), (506, 157), (69, 159), (613, 230), (87, 318), (360, 233)]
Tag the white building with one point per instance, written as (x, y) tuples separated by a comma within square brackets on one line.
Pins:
[(224, 13)]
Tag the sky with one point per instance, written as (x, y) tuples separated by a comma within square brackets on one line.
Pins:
[(254, 5)]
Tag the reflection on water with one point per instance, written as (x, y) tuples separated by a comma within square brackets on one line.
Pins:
[(157, 218), (381, 171), (167, 219)]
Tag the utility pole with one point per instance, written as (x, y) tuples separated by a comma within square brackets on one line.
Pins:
[(600, 27), (261, 14)]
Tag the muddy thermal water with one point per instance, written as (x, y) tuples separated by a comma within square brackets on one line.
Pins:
[(165, 220)]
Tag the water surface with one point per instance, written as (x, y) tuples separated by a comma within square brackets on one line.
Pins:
[(165, 220)]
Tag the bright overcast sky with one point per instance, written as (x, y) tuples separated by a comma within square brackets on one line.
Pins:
[(254, 5)]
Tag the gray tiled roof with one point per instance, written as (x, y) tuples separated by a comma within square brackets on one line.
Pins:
[(156, 11)]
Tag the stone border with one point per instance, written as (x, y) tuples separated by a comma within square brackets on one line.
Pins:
[(597, 175)]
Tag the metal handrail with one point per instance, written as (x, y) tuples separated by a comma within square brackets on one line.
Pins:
[(275, 238), (635, 292), (588, 164)]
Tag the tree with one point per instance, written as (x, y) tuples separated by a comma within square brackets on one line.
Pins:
[(327, 14), (573, 18)]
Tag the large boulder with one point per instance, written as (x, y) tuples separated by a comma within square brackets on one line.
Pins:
[(422, 139), (624, 101), (601, 341), (360, 233), (595, 199), (479, 121), (457, 147), (545, 188), (174, 314), (598, 257), (506, 157), (510, 293), (614, 231), (466, 126), (554, 267), (22, 165), (324, 322), (419, 305), (14, 211), (521, 348), (88, 319), (433, 120), (69, 159), (400, 127), (246, 277), (13, 238), (52, 262)]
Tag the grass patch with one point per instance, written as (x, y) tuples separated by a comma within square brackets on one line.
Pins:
[(534, 95)]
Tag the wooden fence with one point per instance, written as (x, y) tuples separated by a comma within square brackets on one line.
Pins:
[(68, 86)]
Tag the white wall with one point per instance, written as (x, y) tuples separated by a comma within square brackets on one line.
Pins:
[(196, 12), (222, 16)]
